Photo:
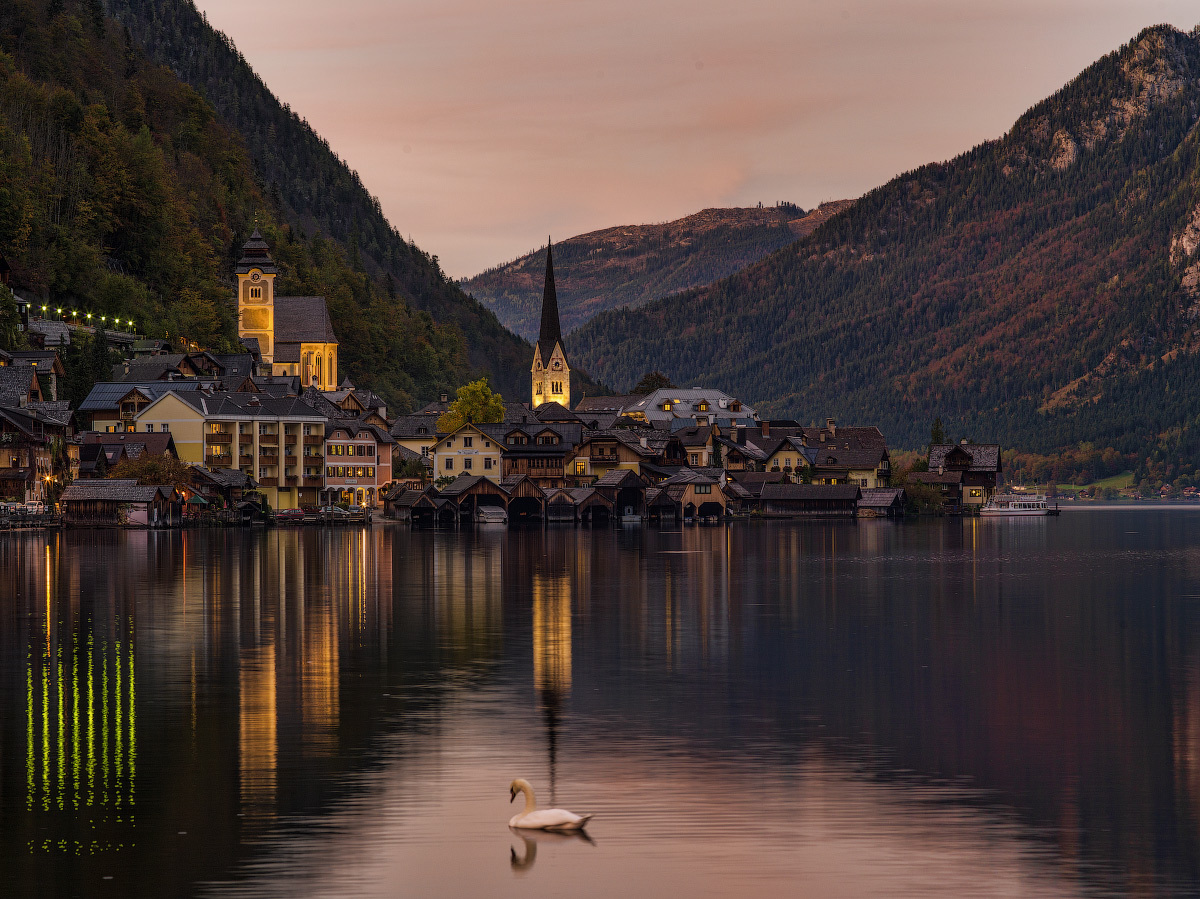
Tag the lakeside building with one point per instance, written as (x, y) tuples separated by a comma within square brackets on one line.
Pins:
[(280, 442), (358, 462), (964, 473)]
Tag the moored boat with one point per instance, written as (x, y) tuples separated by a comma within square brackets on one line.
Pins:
[(1018, 505)]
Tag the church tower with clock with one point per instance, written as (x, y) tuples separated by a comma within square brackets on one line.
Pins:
[(551, 375)]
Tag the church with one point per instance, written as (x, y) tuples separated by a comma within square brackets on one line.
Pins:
[(551, 374), (293, 334)]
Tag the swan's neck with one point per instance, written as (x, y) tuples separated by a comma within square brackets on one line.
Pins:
[(530, 802)]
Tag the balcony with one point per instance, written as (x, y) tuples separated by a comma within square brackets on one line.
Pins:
[(268, 482), (601, 456), (268, 438), (246, 459), (218, 437), (312, 482), (314, 439), (292, 481), (289, 439), (219, 460)]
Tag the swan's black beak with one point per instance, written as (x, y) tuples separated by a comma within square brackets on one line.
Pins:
[(512, 794)]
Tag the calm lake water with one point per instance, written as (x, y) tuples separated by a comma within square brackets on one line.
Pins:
[(950, 707)]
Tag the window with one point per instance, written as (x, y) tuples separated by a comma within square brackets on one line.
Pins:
[(580, 466), (370, 471), (214, 428), (537, 389), (487, 444), (329, 472), (308, 430), (371, 449), (487, 463), (703, 406), (703, 488), (361, 451), (467, 441), (976, 492), (862, 482), (556, 386), (256, 293), (149, 429), (425, 451), (467, 463), (262, 473), (693, 458), (449, 464)]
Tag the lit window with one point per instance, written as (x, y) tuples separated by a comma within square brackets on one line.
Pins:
[(580, 466)]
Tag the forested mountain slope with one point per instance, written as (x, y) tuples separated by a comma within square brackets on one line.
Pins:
[(634, 264), (1040, 290), (314, 189), (121, 193)]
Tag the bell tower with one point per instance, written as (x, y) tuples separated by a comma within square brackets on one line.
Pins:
[(256, 295), (550, 373)]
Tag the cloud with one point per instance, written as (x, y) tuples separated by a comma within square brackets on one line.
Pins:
[(534, 116)]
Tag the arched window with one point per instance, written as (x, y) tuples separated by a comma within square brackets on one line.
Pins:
[(331, 370), (319, 369)]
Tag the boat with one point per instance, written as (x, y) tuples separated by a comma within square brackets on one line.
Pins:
[(491, 515), (1018, 505)]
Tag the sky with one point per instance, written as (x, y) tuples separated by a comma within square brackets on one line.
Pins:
[(484, 126)]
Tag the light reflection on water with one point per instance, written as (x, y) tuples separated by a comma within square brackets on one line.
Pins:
[(933, 708)]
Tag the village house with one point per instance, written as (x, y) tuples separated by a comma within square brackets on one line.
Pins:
[(469, 450), (121, 503), (358, 463), (965, 473), (26, 454), (541, 451), (667, 407), (280, 442)]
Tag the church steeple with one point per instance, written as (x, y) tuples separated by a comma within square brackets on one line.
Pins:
[(550, 371), (550, 333)]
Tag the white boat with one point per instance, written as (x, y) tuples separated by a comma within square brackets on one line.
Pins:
[(491, 515), (1017, 504)]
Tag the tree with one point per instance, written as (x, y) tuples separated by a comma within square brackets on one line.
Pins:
[(475, 404), (652, 381), (937, 434), (154, 470)]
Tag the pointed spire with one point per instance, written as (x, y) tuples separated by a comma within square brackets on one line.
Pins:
[(550, 333)]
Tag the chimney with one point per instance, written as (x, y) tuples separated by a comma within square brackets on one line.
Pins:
[(941, 469), (766, 427), (445, 397), (963, 442), (644, 444), (831, 423)]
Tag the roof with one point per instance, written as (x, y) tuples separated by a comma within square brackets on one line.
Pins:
[(249, 405), (809, 492), (117, 490), (877, 497), (302, 320), (147, 368), (606, 403), (617, 477), (933, 477), (686, 402), (15, 383), (984, 456), (413, 426), (550, 333), (554, 412), (404, 454), (255, 254), (225, 477), (135, 443), (406, 498), (688, 476), (106, 395), (354, 427)]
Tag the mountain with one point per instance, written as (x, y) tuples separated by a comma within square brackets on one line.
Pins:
[(634, 264), (312, 187), (122, 193), (1042, 289)]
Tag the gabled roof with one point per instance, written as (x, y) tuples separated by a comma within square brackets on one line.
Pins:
[(985, 457), (688, 476), (302, 320), (554, 412), (107, 395), (881, 497), (606, 403), (418, 425), (118, 490), (617, 477), (136, 443), (16, 382)]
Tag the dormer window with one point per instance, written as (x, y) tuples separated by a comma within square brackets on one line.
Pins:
[(703, 406)]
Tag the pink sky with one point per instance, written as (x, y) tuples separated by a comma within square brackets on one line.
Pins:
[(483, 126)]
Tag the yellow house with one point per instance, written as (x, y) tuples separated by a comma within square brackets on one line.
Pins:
[(469, 450), (278, 441), (294, 334)]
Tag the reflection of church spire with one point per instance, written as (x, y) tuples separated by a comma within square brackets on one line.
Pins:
[(551, 655)]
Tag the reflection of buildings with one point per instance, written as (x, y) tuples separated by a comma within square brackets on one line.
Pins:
[(81, 734)]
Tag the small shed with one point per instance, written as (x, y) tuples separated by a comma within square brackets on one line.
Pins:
[(121, 503), (882, 502)]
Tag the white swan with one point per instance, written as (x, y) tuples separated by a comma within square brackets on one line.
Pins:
[(546, 819)]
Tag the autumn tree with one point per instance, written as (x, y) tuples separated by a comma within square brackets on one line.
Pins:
[(154, 470), (475, 404)]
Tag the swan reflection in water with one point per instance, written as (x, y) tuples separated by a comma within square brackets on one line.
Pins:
[(523, 862)]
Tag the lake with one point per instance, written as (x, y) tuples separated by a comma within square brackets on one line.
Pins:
[(939, 707)]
